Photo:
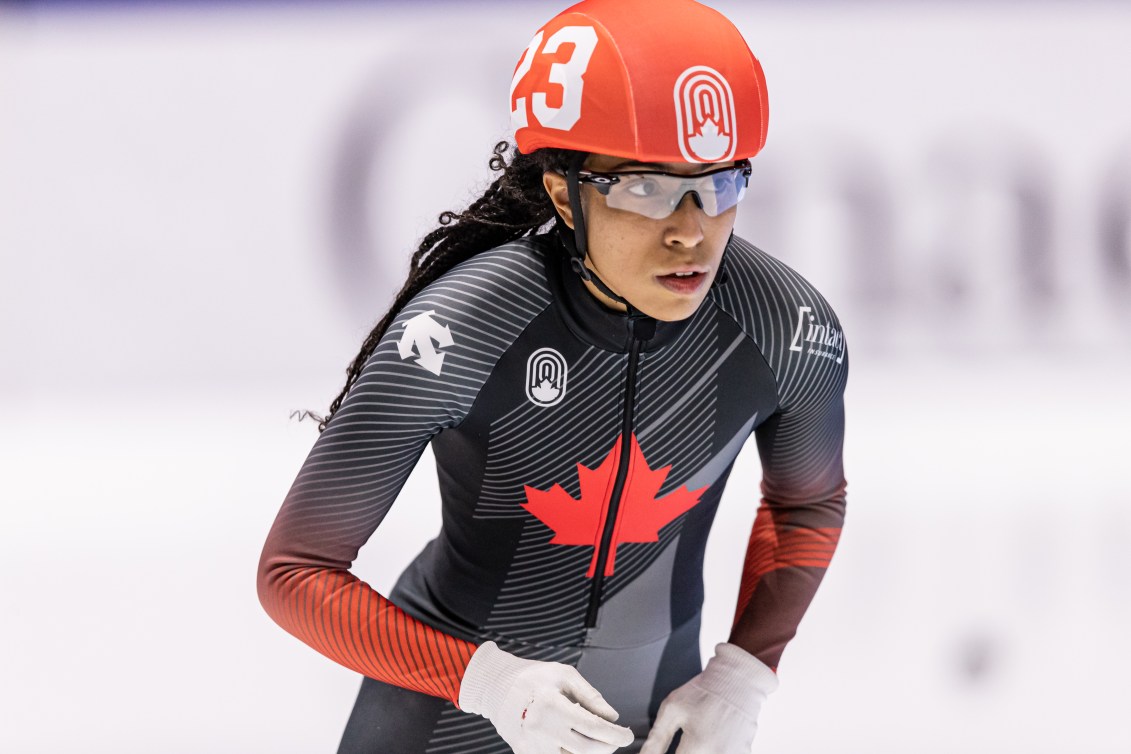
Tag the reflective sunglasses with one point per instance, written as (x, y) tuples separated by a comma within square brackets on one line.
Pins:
[(656, 194)]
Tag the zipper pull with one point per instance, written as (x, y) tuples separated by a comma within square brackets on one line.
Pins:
[(643, 327)]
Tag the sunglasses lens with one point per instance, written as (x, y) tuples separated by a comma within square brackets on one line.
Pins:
[(730, 187), (644, 194)]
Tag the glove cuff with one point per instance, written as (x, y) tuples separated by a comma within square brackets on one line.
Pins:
[(738, 677), (487, 679)]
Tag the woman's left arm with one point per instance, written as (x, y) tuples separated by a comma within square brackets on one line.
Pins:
[(798, 524)]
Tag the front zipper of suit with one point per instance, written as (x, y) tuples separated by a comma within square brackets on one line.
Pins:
[(622, 468)]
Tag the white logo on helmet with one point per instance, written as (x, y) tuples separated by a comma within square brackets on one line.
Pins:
[(704, 109), (546, 373)]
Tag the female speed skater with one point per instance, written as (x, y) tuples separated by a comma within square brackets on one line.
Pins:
[(587, 347)]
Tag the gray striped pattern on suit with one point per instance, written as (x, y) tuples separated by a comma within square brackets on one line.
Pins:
[(765, 297), (359, 464)]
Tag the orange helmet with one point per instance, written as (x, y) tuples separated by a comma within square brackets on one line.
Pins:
[(650, 80)]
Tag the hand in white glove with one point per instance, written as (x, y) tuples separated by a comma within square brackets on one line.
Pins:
[(717, 709), (539, 707)]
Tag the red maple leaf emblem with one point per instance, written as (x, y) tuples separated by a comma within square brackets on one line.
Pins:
[(640, 515)]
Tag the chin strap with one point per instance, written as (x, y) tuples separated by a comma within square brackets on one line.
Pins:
[(722, 276), (578, 244), (569, 241)]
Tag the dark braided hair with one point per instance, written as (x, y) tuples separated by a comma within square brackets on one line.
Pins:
[(514, 205)]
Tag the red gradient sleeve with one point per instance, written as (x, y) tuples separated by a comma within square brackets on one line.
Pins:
[(798, 524), (346, 620)]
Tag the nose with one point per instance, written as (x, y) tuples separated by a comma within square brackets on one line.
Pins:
[(685, 225)]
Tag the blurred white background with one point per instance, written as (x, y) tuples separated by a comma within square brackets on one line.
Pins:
[(204, 209)]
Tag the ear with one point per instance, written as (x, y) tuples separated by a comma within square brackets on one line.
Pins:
[(558, 191)]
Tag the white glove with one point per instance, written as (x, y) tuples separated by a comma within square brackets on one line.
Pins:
[(539, 707), (717, 709)]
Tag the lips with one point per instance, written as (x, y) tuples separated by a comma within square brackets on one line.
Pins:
[(683, 281)]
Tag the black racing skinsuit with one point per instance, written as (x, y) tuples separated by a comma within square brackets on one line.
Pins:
[(556, 544)]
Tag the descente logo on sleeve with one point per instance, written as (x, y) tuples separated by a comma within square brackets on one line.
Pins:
[(419, 333), (813, 337)]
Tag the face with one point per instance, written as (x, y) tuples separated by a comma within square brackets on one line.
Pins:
[(664, 267)]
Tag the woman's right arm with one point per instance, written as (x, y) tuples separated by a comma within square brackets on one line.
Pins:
[(342, 492), (423, 376)]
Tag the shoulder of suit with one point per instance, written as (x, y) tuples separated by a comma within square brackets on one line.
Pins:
[(761, 286), (785, 315), (506, 284)]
